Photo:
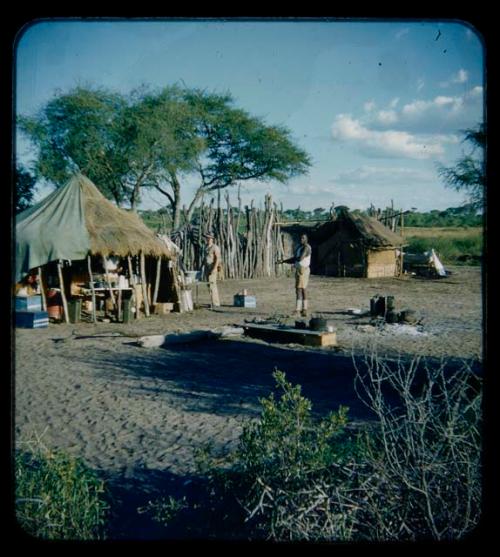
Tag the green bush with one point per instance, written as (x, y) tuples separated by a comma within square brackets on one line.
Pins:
[(450, 250), (57, 497), (289, 470)]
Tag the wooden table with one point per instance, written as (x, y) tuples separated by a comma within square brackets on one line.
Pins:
[(88, 292)]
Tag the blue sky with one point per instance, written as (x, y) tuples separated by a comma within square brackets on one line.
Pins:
[(377, 105)]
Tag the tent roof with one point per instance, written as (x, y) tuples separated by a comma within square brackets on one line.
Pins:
[(76, 220)]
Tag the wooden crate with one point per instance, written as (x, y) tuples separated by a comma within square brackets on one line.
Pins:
[(163, 308), (274, 333)]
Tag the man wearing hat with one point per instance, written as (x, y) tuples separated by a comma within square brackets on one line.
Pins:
[(212, 263)]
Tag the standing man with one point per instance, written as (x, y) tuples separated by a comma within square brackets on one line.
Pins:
[(302, 261), (212, 263)]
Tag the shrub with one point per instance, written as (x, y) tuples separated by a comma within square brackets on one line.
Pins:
[(423, 467), (291, 471), (57, 497)]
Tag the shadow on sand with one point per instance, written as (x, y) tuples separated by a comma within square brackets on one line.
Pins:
[(224, 377)]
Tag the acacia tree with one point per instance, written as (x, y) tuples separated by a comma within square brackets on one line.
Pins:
[(238, 146), (79, 131), (155, 140), (469, 175)]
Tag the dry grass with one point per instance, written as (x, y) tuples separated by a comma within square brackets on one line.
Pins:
[(449, 231)]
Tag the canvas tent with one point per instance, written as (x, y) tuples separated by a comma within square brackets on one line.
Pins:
[(77, 221)]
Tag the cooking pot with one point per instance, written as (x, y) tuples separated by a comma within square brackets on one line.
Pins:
[(318, 324)]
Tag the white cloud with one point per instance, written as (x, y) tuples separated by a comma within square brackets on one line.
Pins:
[(420, 85), (369, 106), (394, 102), (438, 115), (387, 117), (375, 175), (462, 76), (388, 143)]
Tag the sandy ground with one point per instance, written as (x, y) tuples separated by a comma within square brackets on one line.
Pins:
[(138, 415)]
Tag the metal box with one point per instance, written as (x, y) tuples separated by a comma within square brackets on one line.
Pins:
[(32, 319), (245, 301), (29, 303)]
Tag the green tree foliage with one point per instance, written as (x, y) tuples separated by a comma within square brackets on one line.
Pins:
[(155, 139), (79, 131), (238, 146), (469, 175), (25, 186)]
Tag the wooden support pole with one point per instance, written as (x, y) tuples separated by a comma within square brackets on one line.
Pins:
[(91, 280), (42, 289), (108, 283), (157, 282), (144, 285), (132, 284), (63, 294)]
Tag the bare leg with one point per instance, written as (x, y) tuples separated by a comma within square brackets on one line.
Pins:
[(304, 302)]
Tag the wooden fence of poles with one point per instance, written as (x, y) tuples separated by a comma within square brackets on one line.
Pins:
[(250, 239), (390, 217)]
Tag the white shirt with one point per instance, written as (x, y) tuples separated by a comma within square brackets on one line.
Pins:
[(306, 261)]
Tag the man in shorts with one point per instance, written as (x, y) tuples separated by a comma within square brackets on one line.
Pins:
[(302, 262)]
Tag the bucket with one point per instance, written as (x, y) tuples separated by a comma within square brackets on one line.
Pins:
[(55, 312), (75, 310), (318, 324), (127, 310), (391, 316), (54, 304), (380, 307)]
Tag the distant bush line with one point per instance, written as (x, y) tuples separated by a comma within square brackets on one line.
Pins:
[(458, 247)]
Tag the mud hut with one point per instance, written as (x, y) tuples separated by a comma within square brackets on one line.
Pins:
[(355, 245), (68, 238)]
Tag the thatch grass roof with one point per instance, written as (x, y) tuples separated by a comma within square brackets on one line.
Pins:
[(113, 230), (371, 232)]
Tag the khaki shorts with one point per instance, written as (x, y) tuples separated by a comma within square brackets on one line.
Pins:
[(302, 277)]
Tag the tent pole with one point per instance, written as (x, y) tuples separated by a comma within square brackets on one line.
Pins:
[(144, 286), (63, 294), (42, 289), (94, 318), (132, 283), (157, 282)]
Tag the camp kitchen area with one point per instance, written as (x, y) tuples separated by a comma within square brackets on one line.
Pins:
[(79, 257)]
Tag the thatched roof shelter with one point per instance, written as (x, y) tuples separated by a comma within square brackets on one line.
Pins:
[(357, 245), (350, 245), (77, 220), (368, 230)]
